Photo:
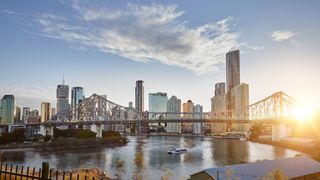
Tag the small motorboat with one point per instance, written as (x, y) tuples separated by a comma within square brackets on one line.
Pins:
[(177, 150)]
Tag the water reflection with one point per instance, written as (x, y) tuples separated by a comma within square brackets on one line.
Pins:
[(148, 157)]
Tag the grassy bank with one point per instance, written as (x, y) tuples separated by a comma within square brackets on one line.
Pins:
[(70, 139)]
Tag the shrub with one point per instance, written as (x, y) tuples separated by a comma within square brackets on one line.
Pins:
[(110, 134)]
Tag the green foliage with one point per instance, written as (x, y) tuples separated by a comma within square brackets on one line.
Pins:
[(16, 136), (47, 138), (73, 133), (85, 134), (256, 131), (110, 134)]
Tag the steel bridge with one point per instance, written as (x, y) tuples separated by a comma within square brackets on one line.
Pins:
[(98, 110)]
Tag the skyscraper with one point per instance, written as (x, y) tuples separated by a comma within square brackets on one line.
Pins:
[(53, 112), (219, 100), (25, 114), (187, 108), (139, 96), (196, 127), (174, 106), (158, 102), (45, 111), (233, 74), (17, 118), (77, 96), (240, 97), (8, 109), (62, 98)]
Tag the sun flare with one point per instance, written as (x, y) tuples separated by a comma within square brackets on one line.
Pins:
[(303, 113)]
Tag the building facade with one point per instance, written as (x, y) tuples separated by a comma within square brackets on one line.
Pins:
[(232, 74), (77, 96), (62, 98), (25, 114), (8, 109), (45, 111), (240, 99), (197, 127), (219, 100), (17, 118), (158, 102), (187, 107), (174, 106), (139, 96)]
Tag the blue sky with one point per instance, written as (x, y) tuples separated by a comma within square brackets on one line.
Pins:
[(176, 47)]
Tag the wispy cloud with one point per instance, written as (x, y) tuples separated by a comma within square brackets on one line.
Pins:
[(145, 33), (282, 35), (28, 94)]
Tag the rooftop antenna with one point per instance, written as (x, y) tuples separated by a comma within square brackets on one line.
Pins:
[(63, 79)]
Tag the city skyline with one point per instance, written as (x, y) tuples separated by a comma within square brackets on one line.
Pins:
[(271, 54)]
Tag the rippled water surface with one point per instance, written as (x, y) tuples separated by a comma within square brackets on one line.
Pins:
[(147, 156)]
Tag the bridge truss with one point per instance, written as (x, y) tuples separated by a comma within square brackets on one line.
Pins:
[(98, 109)]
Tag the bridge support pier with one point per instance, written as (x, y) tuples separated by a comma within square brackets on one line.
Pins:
[(280, 131), (97, 128), (46, 130)]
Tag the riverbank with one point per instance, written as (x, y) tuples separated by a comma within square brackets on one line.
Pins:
[(68, 144)]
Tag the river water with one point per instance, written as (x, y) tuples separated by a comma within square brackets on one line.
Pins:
[(147, 157)]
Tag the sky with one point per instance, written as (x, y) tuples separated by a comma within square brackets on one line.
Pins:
[(176, 47)]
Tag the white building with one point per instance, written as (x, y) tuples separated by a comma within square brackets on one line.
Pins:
[(196, 127), (174, 106)]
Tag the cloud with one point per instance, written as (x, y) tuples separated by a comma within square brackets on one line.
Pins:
[(28, 94), (144, 33), (282, 35)]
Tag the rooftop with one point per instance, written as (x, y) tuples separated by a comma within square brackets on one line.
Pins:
[(291, 167)]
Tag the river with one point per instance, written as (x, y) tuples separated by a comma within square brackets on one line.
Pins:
[(147, 156)]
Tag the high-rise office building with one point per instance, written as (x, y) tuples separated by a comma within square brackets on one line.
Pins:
[(45, 111), (219, 100), (17, 118), (187, 108), (53, 112), (62, 98), (240, 99), (196, 127), (174, 106), (233, 74), (158, 102), (220, 89), (25, 114), (8, 109), (77, 96), (139, 96)]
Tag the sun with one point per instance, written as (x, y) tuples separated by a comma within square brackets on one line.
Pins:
[(303, 113)]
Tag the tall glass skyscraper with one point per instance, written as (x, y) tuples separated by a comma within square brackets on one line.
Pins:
[(233, 74), (158, 102), (139, 96), (77, 96), (8, 109), (62, 98)]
